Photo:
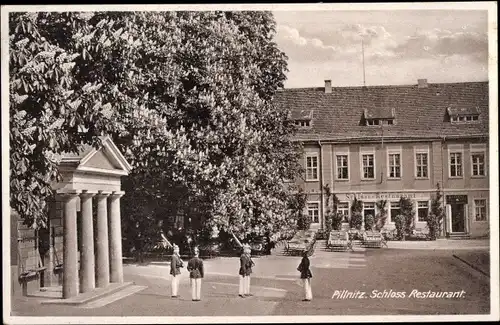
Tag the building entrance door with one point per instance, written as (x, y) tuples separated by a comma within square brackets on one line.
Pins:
[(458, 217)]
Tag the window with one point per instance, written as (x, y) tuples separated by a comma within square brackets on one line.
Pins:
[(372, 122), (478, 164), (422, 165), (390, 122), (343, 208), (480, 210), (464, 118), (368, 166), (394, 165), (456, 164), (302, 123), (368, 208), (311, 168), (395, 210), (342, 167), (422, 210), (313, 211)]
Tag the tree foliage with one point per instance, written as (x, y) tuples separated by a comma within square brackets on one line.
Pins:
[(297, 205), (405, 220), (369, 222), (186, 96), (356, 221), (333, 220), (436, 215), (381, 217)]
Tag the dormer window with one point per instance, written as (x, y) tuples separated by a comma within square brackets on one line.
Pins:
[(375, 121), (379, 116), (302, 119), (464, 118), (303, 123), (463, 115)]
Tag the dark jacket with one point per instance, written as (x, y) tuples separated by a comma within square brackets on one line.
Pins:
[(246, 264), (175, 265), (303, 268), (195, 268)]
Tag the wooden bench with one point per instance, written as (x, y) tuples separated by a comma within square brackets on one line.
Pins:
[(373, 239), (302, 240), (420, 233), (339, 239)]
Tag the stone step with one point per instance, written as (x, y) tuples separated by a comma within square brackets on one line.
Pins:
[(459, 237), (87, 297)]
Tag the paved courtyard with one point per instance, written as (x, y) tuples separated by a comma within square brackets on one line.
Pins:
[(277, 290)]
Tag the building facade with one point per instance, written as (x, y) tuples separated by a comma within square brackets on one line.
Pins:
[(384, 142)]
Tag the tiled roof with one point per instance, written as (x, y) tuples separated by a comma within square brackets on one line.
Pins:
[(419, 112)]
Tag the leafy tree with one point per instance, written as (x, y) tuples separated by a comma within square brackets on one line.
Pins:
[(399, 223), (407, 210), (297, 205), (436, 215), (404, 221), (356, 220), (192, 110), (52, 109), (337, 219), (369, 222), (381, 217)]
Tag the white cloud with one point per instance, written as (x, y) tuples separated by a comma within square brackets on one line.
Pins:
[(341, 44), (291, 34), (436, 43)]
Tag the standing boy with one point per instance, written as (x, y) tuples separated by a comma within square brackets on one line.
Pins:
[(175, 265), (195, 268), (246, 264), (306, 275)]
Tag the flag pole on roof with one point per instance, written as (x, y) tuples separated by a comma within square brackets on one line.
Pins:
[(363, 54)]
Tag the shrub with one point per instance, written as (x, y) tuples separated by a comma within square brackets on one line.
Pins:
[(436, 215), (331, 210), (400, 225), (369, 222), (356, 221), (356, 214), (406, 209), (381, 217), (337, 221), (304, 221)]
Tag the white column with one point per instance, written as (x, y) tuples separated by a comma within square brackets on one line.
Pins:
[(102, 259), (70, 245), (87, 279), (115, 239)]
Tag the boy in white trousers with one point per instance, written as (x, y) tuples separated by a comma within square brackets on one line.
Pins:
[(246, 265), (195, 268), (306, 275), (175, 265)]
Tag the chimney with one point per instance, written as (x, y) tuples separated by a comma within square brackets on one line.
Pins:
[(422, 83), (328, 86)]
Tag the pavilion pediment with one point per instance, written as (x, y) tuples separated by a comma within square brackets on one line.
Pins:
[(105, 160)]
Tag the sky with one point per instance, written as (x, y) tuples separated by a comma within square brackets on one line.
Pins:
[(400, 46)]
